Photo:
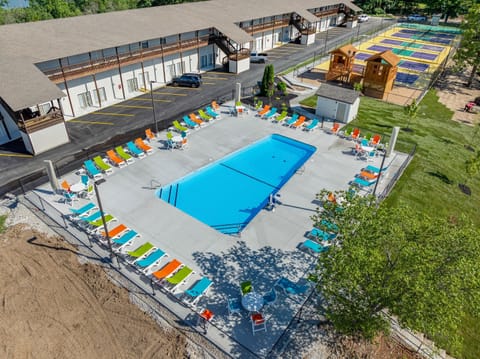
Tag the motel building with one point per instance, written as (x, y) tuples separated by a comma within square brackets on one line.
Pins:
[(56, 70)]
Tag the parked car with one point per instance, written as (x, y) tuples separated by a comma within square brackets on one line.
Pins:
[(190, 80), (416, 17), (363, 18), (193, 74), (258, 57)]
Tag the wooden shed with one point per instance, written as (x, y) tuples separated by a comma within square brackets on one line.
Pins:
[(341, 63), (379, 75)]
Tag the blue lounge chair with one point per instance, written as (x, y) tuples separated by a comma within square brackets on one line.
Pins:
[(92, 170), (313, 125), (83, 211), (270, 114), (134, 150), (189, 122), (212, 113), (363, 184), (290, 287), (125, 240), (194, 293), (291, 120), (374, 169), (270, 297), (313, 246), (152, 259), (92, 217)]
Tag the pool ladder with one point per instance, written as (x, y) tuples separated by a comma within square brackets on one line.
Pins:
[(154, 184)]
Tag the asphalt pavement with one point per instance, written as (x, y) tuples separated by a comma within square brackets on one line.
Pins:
[(99, 131)]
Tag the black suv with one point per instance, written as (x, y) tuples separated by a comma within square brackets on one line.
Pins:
[(188, 80)]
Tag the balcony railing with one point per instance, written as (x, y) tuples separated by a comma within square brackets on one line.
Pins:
[(96, 66), (41, 122), (326, 13), (252, 29)]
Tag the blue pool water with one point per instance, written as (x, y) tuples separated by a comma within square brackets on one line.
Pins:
[(229, 193)]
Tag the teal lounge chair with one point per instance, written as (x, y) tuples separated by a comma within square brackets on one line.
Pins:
[(195, 292), (179, 127), (290, 287), (312, 126), (92, 170), (189, 122), (270, 114), (313, 246), (126, 240), (83, 211), (92, 217), (291, 120), (363, 184), (319, 235), (270, 297), (146, 263), (212, 113), (100, 163), (134, 150), (374, 169), (141, 251)]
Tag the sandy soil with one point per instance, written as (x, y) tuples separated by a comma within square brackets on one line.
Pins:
[(52, 306)]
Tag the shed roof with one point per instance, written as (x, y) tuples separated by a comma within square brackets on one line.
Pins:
[(337, 93), (347, 50), (387, 56), (23, 45)]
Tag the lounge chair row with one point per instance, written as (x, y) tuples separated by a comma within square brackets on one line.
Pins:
[(295, 121), (367, 177), (120, 157), (146, 257), (199, 119)]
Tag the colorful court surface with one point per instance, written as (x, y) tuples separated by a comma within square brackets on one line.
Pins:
[(421, 50)]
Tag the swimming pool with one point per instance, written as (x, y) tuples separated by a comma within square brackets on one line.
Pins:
[(228, 194)]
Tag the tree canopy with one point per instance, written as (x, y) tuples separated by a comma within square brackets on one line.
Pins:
[(468, 54), (424, 270)]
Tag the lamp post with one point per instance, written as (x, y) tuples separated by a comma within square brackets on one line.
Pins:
[(153, 107), (104, 222)]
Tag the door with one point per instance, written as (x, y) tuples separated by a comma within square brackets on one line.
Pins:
[(341, 112)]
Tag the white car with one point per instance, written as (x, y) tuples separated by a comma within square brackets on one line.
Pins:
[(258, 57), (416, 17), (363, 18)]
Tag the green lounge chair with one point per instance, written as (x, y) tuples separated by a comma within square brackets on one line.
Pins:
[(97, 225), (283, 115), (124, 155), (246, 287), (106, 168), (139, 252), (176, 280), (204, 116), (180, 128)]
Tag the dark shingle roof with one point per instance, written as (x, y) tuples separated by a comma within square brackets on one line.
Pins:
[(337, 93)]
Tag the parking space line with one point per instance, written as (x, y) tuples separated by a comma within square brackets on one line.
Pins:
[(92, 122), (113, 114), (170, 93), (215, 78), (132, 106), (148, 99), (209, 83), (15, 155), (224, 73), (191, 88)]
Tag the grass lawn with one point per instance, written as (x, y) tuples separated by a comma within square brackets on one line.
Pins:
[(430, 183)]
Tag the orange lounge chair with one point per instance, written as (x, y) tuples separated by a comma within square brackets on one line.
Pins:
[(334, 129), (112, 156), (298, 123), (145, 148), (197, 119), (264, 110), (149, 134), (167, 270), (114, 232), (375, 140), (368, 175), (66, 186), (215, 105), (355, 134)]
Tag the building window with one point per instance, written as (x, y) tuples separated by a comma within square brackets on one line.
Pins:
[(84, 99), (132, 85), (44, 108), (103, 96), (144, 44)]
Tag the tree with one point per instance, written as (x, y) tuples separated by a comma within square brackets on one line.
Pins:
[(448, 8), (411, 111), (472, 167), (468, 54), (425, 271), (267, 86)]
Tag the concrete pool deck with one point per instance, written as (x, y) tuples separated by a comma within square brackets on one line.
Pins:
[(267, 248)]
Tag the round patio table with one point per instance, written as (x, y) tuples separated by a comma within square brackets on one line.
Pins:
[(78, 187), (252, 301)]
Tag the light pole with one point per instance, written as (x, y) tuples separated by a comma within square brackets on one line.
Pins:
[(104, 222), (153, 107)]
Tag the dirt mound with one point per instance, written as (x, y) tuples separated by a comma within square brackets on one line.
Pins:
[(55, 307)]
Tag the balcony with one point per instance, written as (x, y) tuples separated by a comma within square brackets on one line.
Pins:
[(266, 26), (326, 13), (41, 122), (107, 63)]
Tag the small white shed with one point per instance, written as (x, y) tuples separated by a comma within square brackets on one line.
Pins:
[(337, 103)]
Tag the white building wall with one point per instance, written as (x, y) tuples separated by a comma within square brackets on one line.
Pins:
[(353, 110), (328, 108), (47, 138)]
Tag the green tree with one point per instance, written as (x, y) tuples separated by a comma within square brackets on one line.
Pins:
[(267, 86), (423, 270), (472, 166), (468, 54), (411, 111)]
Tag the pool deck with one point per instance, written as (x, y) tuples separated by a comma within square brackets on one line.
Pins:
[(267, 248)]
